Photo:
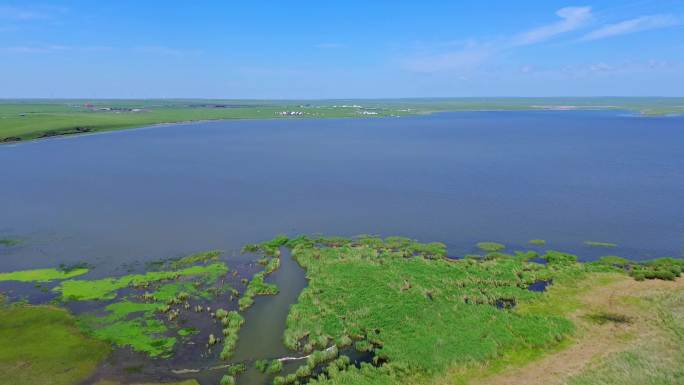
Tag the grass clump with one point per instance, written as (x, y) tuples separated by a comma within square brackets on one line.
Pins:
[(537, 242), (43, 345), (667, 269), (42, 275), (236, 369), (603, 317), (269, 248), (276, 366), (613, 260), (227, 379), (231, 321), (261, 365), (193, 259), (270, 259), (490, 247), (257, 286)]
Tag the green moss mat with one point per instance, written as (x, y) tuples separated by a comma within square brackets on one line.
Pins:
[(41, 275), (106, 288)]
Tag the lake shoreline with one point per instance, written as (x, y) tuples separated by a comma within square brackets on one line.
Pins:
[(85, 131)]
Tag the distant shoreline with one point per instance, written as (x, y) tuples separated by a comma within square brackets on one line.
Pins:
[(23, 121)]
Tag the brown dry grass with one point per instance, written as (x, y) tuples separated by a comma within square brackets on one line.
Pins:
[(595, 341)]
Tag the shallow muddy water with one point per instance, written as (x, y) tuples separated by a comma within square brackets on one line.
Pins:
[(118, 200)]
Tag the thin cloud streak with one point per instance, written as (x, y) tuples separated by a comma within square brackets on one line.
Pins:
[(573, 18), (638, 24), (473, 54)]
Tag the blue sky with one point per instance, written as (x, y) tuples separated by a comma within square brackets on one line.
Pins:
[(360, 49)]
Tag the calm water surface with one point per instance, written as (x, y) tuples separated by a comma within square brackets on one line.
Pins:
[(122, 198), (459, 178)]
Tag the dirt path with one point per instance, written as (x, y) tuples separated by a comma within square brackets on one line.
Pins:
[(594, 340)]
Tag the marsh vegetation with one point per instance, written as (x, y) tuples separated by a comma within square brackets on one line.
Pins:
[(416, 313)]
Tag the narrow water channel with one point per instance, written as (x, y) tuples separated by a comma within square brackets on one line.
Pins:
[(261, 337)]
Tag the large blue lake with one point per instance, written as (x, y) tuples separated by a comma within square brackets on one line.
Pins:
[(460, 178)]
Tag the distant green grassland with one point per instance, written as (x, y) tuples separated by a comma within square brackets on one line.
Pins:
[(33, 119)]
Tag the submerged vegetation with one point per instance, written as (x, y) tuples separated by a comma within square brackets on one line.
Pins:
[(600, 244), (9, 242), (490, 246)]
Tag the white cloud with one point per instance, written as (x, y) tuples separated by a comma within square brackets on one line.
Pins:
[(573, 18), (468, 58), (473, 54), (638, 24), (603, 69)]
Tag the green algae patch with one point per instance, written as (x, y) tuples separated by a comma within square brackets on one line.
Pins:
[(537, 242), (43, 345), (491, 247), (106, 288), (139, 325), (138, 320), (131, 324), (41, 275)]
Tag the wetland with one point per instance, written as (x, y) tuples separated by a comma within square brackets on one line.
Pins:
[(152, 255)]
